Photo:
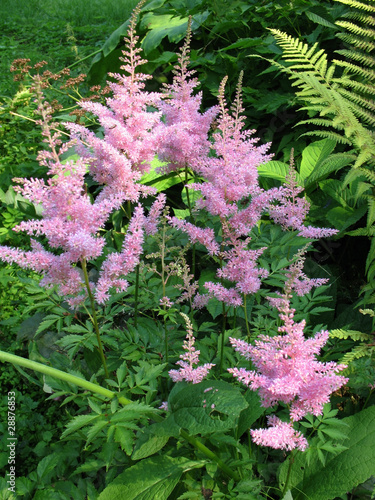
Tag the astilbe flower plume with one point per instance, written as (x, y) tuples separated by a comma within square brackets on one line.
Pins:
[(287, 371), (231, 176), (184, 136), (189, 369), (129, 144), (290, 209), (70, 222)]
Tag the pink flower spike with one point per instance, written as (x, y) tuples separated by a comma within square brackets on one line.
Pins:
[(280, 435), (189, 360)]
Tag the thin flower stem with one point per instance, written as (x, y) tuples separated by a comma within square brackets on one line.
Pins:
[(58, 374), (191, 215), (163, 281), (136, 296), (94, 317), (291, 462), (246, 318), (222, 340), (209, 454)]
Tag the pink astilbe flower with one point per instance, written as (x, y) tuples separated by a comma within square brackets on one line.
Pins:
[(286, 366), (184, 133), (119, 264), (187, 371), (70, 221), (205, 236), (291, 210), (231, 175), (280, 435), (129, 144), (153, 218)]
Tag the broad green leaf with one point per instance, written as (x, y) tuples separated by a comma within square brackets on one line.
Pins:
[(274, 169), (341, 473), (193, 196), (343, 217), (159, 180), (250, 414), (206, 407), (150, 479), (313, 156), (167, 25), (47, 465), (148, 443)]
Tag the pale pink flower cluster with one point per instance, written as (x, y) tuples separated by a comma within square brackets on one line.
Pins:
[(119, 264), (291, 210), (287, 371), (184, 135), (280, 435), (130, 141), (70, 221), (189, 369)]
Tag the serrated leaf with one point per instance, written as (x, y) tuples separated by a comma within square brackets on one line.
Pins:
[(314, 155), (206, 407), (341, 473), (47, 465), (125, 437), (78, 422), (150, 479), (147, 444)]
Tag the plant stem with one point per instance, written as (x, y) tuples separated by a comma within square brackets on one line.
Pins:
[(163, 282), (191, 215), (246, 318), (136, 296), (94, 317), (209, 454), (291, 462), (66, 377), (222, 340)]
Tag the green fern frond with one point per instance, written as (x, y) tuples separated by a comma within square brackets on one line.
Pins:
[(359, 87), (362, 56), (297, 52), (357, 70), (358, 5), (352, 334), (358, 352), (326, 135), (360, 17), (370, 211), (356, 29), (362, 231)]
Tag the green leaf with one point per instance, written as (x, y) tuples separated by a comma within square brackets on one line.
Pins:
[(147, 444), (150, 479), (167, 25), (78, 422), (47, 465), (313, 156), (206, 407), (250, 414), (274, 169), (341, 473)]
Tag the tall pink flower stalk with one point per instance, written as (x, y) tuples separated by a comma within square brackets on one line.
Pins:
[(184, 135), (70, 221), (130, 142), (287, 371), (189, 363), (230, 176)]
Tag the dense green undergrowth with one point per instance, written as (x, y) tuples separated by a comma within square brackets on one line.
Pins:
[(107, 450)]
